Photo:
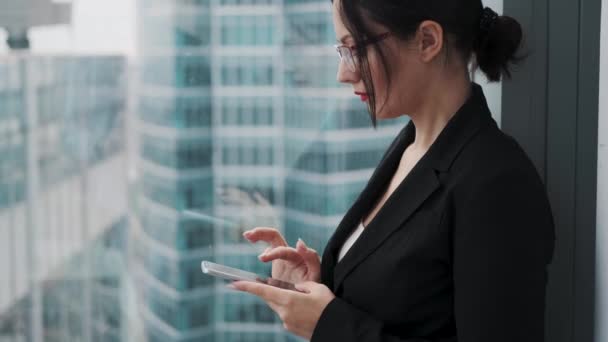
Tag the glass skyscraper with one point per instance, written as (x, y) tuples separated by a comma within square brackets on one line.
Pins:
[(241, 124), (247, 135), (174, 132), (62, 241)]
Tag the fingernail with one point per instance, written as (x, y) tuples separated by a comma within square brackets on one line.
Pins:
[(230, 286)]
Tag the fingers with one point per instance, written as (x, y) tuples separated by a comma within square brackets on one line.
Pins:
[(268, 293), (307, 287), (269, 235), (282, 253), (301, 247), (310, 256)]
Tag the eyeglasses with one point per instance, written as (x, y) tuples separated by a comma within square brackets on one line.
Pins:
[(348, 54)]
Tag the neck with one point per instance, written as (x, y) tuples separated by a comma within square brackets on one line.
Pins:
[(444, 100)]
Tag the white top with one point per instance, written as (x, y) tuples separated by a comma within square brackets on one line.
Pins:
[(350, 241)]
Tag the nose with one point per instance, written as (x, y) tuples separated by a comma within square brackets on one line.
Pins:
[(345, 75)]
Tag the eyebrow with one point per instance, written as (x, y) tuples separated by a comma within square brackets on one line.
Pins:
[(344, 38)]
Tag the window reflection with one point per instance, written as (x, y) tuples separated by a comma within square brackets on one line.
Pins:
[(230, 109)]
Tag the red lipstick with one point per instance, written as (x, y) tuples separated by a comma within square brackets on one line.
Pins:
[(364, 96)]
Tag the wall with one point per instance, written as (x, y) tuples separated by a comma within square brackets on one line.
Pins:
[(601, 318), (493, 91)]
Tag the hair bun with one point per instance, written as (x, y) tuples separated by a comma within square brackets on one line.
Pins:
[(497, 46)]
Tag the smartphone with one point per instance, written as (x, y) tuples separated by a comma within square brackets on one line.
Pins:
[(230, 273)]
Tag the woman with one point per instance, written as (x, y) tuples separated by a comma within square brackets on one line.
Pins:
[(451, 238)]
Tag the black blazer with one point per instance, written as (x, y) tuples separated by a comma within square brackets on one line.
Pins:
[(459, 252)]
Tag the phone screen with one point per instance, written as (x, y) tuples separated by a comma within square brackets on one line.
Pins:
[(231, 273)]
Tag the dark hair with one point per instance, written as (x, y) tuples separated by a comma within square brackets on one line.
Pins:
[(468, 28)]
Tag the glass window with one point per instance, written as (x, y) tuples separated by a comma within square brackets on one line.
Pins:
[(230, 109), (169, 30)]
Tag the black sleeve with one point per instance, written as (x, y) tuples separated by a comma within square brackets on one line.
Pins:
[(503, 240), (340, 321)]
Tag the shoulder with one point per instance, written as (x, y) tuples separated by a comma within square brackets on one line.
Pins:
[(494, 174), (492, 156), (497, 193)]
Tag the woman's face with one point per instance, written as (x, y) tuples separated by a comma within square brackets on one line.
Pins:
[(407, 73)]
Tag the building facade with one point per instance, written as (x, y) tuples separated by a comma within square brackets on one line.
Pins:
[(62, 138), (174, 168), (241, 124)]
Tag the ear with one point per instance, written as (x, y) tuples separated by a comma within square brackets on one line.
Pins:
[(430, 40)]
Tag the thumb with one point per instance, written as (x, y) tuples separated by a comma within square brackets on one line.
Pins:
[(307, 287), (309, 254)]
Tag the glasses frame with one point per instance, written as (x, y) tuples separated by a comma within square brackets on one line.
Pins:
[(348, 53)]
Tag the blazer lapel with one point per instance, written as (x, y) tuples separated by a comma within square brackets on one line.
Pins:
[(419, 184), (377, 182)]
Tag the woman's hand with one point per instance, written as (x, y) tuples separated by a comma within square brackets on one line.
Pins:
[(294, 265), (299, 311)]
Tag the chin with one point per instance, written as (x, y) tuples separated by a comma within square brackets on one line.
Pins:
[(386, 113), (382, 118), (386, 116)]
